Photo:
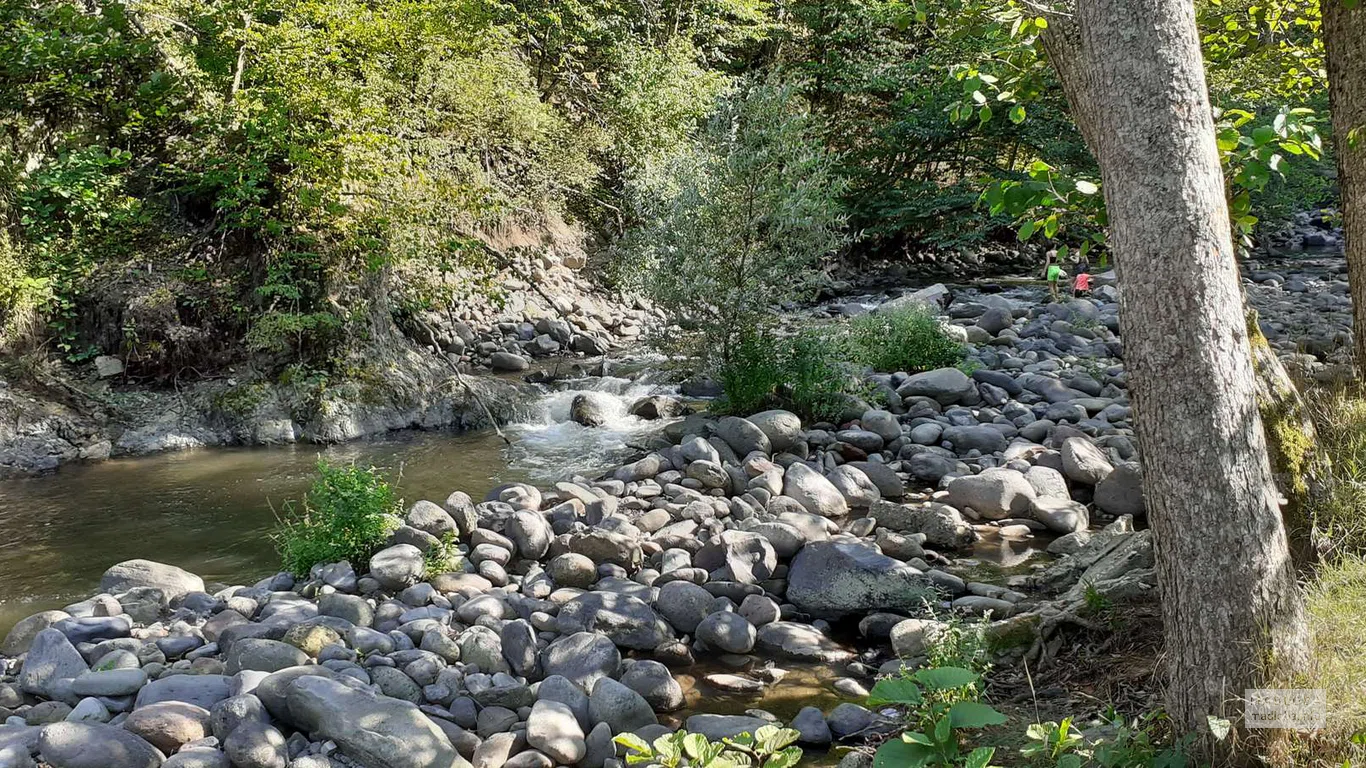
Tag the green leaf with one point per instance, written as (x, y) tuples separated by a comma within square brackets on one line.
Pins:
[(899, 754), (1041, 23), (694, 744), (979, 97), (1050, 226), (1219, 727), (1087, 187), (984, 115), (974, 714), (916, 737), (1070, 761), (1017, 114), (1263, 134), (785, 759), (949, 678), (895, 691), (1063, 250), (980, 757), (943, 731), (633, 742), (1026, 232)]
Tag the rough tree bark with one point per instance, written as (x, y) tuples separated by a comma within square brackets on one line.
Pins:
[(1231, 609), (1344, 37)]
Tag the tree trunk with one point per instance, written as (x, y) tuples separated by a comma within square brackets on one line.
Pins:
[(1344, 37), (1230, 605)]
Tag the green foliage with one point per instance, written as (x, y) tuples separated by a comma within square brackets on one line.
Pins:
[(768, 747), (442, 558), (908, 339), (347, 515), (808, 373), (961, 645), (736, 224), (941, 706), (1125, 744)]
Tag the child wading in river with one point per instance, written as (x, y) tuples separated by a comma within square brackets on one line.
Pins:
[(1053, 274)]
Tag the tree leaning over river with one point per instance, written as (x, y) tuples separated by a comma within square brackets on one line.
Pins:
[(1134, 77)]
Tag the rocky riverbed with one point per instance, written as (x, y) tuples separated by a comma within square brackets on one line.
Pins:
[(730, 551)]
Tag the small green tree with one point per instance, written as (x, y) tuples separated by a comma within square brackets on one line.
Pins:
[(736, 223)]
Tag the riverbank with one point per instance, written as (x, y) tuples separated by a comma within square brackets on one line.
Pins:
[(581, 608)]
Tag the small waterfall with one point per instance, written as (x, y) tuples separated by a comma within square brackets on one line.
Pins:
[(549, 446)]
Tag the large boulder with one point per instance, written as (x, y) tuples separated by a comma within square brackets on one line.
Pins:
[(944, 385), (94, 745), (1083, 462), (398, 566), (1121, 492), (172, 581), (592, 409), (684, 604), (727, 632), (981, 438), (830, 579), (743, 436), (813, 491), (627, 621), (943, 526), (783, 428), (995, 494), (1061, 515), (856, 487), (51, 659), (553, 729), (375, 731), (21, 635), (620, 707)]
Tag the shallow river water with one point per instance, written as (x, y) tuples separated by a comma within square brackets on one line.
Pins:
[(211, 511)]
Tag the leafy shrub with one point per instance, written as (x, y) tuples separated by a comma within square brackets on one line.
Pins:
[(347, 515), (907, 339), (940, 703), (768, 747), (807, 373), (1136, 744)]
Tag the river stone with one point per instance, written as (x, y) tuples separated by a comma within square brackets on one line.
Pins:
[(802, 642), (728, 632), (531, 533), (813, 491), (553, 729), (607, 547), (109, 682), (1083, 462), (995, 494), (202, 757), (256, 745), (684, 604), (848, 719), (87, 710), (943, 526), (912, 637), (810, 723), (857, 489), (743, 436), (573, 570), (21, 635), (172, 581), (200, 690), (94, 745), (1048, 482), (583, 658), (398, 566), (1061, 515), (944, 385), (1121, 492), (653, 680), (430, 518), (981, 438), (373, 730), (782, 428), (717, 727), (51, 659), (831, 579), (231, 712), (508, 362), (561, 689), (620, 707), (262, 655), (747, 557), (168, 725), (889, 486), (627, 621)]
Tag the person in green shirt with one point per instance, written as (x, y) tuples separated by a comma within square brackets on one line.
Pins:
[(1053, 273)]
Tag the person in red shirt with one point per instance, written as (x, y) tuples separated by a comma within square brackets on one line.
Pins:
[(1081, 284)]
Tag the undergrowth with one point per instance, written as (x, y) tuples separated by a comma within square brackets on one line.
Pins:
[(348, 514)]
